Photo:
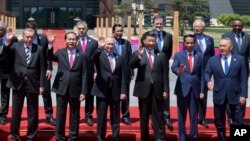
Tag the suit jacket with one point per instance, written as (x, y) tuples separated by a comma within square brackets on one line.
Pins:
[(146, 74), (106, 79), (42, 41), (70, 80), (5, 60), (126, 54), (209, 52), (167, 44), (32, 73), (91, 46), (188, 79), (245, 48), (230, 86)]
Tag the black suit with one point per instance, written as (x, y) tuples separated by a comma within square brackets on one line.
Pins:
[(150, 84), (25, 80), (69, 83), (107, 88), (126, 54), (209, 52), (91, 46), (245, 52), (4, 73), (167, 47), (47, 101)]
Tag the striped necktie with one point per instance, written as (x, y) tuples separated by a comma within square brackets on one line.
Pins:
[(28, 54)]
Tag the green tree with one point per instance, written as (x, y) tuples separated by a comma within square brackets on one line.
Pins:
[(226, 19)]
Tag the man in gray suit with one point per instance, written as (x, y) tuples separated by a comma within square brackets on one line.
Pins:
[(26, 79), (241, 45)]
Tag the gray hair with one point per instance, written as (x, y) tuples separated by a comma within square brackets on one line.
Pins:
[(199, 20), (82, 23), (3, 25)]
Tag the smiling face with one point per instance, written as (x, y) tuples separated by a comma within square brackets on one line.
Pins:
[(189, 43), (237, 26), (109, 44), (71, 41), (225, 46), (158, 24), (150, 42), (118, 32)]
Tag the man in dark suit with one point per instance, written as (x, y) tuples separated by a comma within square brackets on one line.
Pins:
[(151, 86), (70, 86), (87, 45), (109, 87), (229, 86), (165, 45), (26, 79), (41, 39), (205, 45), (189, 87), (123, 48), (241, 46), (4, 73)]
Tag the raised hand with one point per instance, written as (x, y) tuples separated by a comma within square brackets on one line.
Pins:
[(9, 35), (101, 42), (140, 50), (51, 36)]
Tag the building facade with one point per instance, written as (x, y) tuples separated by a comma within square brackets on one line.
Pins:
[(54, 13)]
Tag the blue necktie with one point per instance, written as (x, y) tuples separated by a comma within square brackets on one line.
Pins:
[(159, 42), (118, 46), (226, 65)]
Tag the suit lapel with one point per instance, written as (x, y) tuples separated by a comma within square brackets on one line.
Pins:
[(22, 52), (106, 60), (77, 55), (66, 57), (232, 63), (219, 64), (33, 52), (235, 46)]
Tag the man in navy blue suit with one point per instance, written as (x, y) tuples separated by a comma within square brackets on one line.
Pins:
[(123, 48), (229, 86), (241, 45), (205, 45), (189, 86)]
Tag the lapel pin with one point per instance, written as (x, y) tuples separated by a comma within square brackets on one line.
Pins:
[(158, 54), (77, 54), (234, 59)]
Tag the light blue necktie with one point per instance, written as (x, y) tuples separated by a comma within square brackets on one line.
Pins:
[(159, 42), (226, 65), (118, 46)]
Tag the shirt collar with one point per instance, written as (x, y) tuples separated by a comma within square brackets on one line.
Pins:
[(69, 51)]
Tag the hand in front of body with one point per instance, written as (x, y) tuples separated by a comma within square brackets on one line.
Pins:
[(181, 69), (202, 95), (123, 96)]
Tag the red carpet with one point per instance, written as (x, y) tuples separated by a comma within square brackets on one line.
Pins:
[(131, 133)]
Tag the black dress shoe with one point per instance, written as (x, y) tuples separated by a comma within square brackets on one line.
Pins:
[(126, 121), (89, 121), (169, 124), (230, 121), (3, 120), (203, 123), (51, 121)]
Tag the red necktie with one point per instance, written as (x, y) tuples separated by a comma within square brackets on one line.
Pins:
[(190, 62), (83, 45), (150, 59), (71, 59)]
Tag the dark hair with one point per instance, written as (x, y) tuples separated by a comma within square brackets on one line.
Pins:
[(31, 24), (116, 25), (157, 17), (149, 33), (237, 20), (188, 35), (65, 36)]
